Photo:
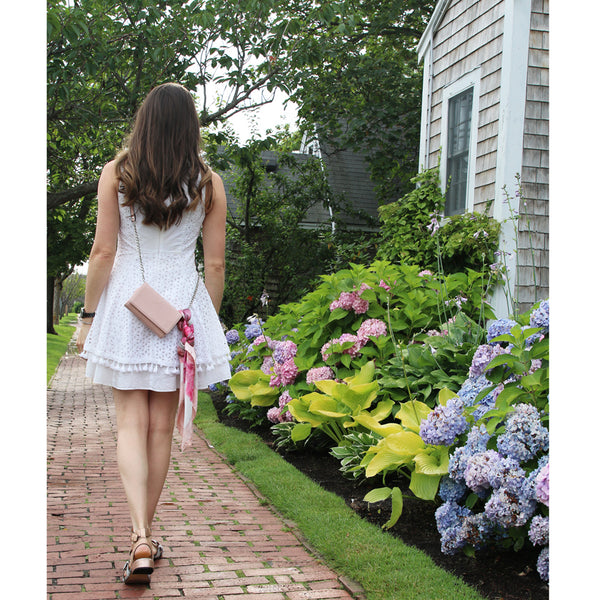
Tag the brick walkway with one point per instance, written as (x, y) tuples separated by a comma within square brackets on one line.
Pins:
[(222, 541)]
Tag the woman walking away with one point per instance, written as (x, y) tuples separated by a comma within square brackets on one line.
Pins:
[(154, 200)]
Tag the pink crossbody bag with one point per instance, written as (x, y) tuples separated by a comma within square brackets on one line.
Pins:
[(152, 309)]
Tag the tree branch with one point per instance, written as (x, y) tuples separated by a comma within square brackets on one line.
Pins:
[(54, 200)]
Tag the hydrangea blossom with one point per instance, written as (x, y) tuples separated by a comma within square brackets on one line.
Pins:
[(524, 435), (284, 373), (360, 306), (262, 339), (273, 414), (280, 414), (319, 374), (452, 490), (539, 530), (507, 473), (252, 331), (482, 357), (540, 317), (345, 301), (352, 300), (371, 328), (479, 469), (471, 388), (449, 518), (353, 350), (476, 529), (477, 440), (267, 365), (232, 336), (284, 399), (283, 351), (529, 488), (507, 509), (499, 327), (444, 423), (542, 485), (543, 564)]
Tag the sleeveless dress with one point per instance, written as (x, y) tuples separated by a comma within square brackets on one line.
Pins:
[(121, 351)]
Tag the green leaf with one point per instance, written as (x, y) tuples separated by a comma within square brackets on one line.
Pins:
[(241, 381), (397, 505), (378, 495), (432, 463), (412, 413), (301, 431), (424, 486), (444, 395), (337, 314)]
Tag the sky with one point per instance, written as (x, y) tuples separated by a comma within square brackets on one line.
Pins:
[(264, 118)]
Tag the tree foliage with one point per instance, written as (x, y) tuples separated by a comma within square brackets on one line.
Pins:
[(363, 90), (350, 66)]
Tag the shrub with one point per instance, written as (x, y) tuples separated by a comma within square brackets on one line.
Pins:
[(462, 242), (495, 434), (354, 317)]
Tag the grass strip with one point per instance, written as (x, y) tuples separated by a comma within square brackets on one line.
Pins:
[(56, 345), (386, 568)]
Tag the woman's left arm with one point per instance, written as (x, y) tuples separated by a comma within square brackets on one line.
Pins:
[(104, 249)]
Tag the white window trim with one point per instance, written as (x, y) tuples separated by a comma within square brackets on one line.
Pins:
[(472, 79)]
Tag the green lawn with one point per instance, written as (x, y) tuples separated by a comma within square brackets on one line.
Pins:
[(56, 345), (386, 568)]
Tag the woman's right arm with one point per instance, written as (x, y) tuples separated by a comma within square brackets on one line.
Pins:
[(104, 247)]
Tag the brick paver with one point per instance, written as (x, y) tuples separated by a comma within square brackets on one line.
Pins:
[(222, 541)]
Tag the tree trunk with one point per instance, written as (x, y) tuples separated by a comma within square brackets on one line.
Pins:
[(56, 309), (50, 306)]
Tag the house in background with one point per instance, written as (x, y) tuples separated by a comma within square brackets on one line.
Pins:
[(348, 178), (485, 120)]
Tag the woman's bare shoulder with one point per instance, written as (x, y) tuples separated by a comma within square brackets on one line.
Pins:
[(216, 178)]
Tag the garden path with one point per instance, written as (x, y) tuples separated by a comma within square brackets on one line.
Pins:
[(222, 540)]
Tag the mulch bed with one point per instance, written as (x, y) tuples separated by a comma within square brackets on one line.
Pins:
[(496, 574)]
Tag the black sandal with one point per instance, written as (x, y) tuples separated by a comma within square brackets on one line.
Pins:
[(141, 562)]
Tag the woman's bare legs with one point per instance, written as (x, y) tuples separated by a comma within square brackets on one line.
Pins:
[(145, 422), (131, 407), (162, 413)]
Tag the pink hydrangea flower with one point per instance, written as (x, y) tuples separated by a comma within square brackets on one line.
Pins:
[(353, 351), (384, 285), (425, 272), (284, 399), (284, 373), (319, 374), (360, 306), (273, 414), (371, 328), (347, 299), (542, 485)]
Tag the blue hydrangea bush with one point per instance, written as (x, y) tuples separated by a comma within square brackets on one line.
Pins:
[(496, 489)]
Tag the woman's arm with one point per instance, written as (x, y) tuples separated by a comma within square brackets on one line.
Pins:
[(104, 248), (213, 243)]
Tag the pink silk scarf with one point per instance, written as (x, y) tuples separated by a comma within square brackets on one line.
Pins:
[(188, 394)]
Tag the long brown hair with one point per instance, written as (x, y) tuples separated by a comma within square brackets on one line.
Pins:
[(162, 158)]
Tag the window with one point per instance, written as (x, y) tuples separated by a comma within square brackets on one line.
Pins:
[(460, 108)]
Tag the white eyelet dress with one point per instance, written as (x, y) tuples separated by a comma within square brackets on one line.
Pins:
[(121, 351)]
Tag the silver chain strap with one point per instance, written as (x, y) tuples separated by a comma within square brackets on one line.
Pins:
[(137, 242)]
